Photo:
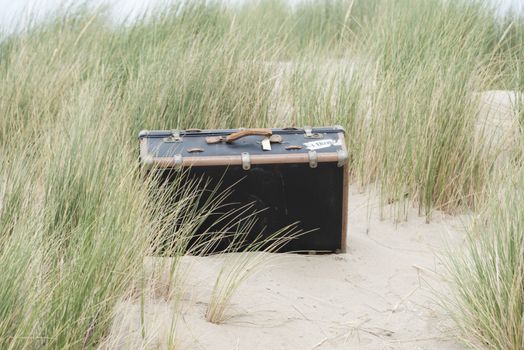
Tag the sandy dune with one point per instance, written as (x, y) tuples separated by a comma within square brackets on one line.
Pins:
[(377, 296), (498, 121)]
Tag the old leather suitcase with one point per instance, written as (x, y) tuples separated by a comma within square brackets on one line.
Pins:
[(291, 175)]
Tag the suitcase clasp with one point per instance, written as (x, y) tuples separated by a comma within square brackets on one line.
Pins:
[(309, 134), (175, 137)]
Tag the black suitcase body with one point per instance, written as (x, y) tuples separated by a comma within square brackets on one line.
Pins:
[(290, 175)]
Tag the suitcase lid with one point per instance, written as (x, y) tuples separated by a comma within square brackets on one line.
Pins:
[(194, 147)]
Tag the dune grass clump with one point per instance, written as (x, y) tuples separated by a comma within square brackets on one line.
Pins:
[(75, 218), (429, 62), (487, 272), (249, 258), (487, 275), (19, 240)]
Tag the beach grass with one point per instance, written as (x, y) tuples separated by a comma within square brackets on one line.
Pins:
[(76, 215), (487, 274)]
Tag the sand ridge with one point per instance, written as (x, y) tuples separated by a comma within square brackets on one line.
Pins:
[(379, 295)]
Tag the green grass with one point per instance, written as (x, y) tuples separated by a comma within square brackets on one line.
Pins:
[(487, 275), (76, 217)]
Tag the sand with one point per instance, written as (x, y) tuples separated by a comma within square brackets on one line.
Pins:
[(498, 119), (379, 295)]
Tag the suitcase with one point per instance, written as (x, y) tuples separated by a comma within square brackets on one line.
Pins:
[(289, 175)]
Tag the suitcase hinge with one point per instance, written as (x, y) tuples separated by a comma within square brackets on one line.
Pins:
[(342, 156), (313, 159), (178, 161), (246, 161)]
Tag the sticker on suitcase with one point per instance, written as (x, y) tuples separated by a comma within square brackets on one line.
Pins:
[(319, 144)]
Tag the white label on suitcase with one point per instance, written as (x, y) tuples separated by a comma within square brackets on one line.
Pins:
[(266, 144), (319, 144)]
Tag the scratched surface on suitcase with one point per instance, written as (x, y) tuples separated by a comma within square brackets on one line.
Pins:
[(161, 145), (284, 194)]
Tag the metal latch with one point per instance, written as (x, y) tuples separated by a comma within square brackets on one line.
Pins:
[(175, 137), (246, 161), (309, 134), (308, 130), (313, 159)]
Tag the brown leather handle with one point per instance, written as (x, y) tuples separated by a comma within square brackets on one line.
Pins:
[(239, 134)]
